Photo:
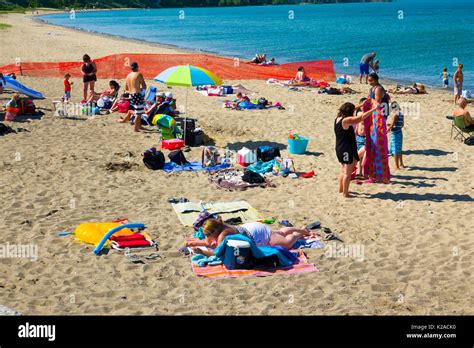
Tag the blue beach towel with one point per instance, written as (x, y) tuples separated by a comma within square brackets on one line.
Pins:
[(192, 167)]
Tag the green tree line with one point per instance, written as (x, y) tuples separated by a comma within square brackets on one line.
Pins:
[(61, 4)]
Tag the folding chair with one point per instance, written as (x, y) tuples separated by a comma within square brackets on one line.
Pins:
[(459, 127)]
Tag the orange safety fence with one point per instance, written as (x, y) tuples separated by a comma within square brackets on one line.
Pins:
[(117, 66)]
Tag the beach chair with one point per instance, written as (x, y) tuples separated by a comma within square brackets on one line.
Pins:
[(459, 128)]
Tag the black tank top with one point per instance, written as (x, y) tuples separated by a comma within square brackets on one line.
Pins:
[(346, 146)]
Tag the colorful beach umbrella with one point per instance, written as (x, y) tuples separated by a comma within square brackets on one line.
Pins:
[(187, 76)]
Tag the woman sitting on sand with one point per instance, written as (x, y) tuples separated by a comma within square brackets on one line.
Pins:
[(301, 79), (110, 92), (216, 230), (416, 88)]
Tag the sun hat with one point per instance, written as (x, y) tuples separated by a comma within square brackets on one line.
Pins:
[(169, 95)]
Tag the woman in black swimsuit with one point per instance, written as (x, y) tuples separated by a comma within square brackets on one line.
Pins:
[(346, 146), (89, 70)]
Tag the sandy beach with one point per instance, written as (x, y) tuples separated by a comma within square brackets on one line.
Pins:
[(56, 173)]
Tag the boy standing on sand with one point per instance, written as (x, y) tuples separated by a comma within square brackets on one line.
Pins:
[(458, 81), (67, 87)]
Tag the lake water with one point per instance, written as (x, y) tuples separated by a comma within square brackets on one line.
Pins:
[(414, 39)]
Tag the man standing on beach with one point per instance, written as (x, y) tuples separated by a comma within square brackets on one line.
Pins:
[(366, 61), (458, 81), (135, 84)]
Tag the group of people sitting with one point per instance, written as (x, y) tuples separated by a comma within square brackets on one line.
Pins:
[(164, 103)]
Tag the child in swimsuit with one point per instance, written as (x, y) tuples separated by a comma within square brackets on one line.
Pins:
[(396, 139), (445, 77), (216, 230)]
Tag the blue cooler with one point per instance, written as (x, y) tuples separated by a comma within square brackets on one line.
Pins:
[(238, 255)]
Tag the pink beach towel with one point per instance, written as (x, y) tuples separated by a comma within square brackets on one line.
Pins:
[(220, 271)]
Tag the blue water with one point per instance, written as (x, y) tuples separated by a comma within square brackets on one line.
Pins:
[(413, 45)]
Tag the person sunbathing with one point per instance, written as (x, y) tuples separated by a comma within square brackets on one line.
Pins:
[(259, 59), (109, 92), (215, 231), (416, 88)]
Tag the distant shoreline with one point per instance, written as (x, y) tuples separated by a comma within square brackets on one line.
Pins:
[(181, 49)]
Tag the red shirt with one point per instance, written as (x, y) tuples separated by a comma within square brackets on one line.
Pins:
[(67, 86)]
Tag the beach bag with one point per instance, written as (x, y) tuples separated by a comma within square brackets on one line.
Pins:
[(283, 166), (202, 217), (153, 159), (252, 177), (228, 89), (123, 107), (267, 153), (341, 80), (263, 102), (333, 91), (210, 157), (177, 156)]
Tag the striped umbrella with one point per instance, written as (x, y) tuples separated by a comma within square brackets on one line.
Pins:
[(187, 76)]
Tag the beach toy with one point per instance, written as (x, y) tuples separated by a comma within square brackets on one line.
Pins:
[(93, 232), (297, 145), (118, 229), (172, 144)]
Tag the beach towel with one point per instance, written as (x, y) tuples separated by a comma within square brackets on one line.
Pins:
[(261, 167), (192, 167), (220, 271), (231, 179), (376, 147), (188, 212), (308, 244)]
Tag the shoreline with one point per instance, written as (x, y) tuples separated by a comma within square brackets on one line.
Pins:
[(37, 18)]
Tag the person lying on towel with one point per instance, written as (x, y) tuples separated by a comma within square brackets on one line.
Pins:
[(215, 231)]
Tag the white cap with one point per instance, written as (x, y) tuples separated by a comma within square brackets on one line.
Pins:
[(169, 95)]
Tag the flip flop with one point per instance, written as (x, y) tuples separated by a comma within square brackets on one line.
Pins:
[(314, 225), (153, 256), (133, 258), (370, 181), (358, 182)]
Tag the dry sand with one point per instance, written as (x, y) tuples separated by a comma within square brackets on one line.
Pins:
[(417, 232)]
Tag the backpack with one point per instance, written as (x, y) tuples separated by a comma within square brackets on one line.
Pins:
[(252, 177), (267, 153), (210, 157), (332, 90), (177, 156), (153, 159), (262, 101), (26, 106)]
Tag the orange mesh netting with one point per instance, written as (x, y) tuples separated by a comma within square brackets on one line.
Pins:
[(117, 66)]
